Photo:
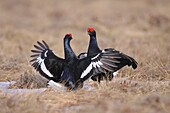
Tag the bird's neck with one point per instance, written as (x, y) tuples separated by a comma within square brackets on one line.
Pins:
[(93, 48), (69, 53)]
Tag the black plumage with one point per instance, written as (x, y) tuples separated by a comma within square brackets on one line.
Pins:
[(54, 68), (73, 71), (75, 66), (105, 62), (46, 62)]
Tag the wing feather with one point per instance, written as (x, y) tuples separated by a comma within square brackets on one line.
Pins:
[(33, 60), (39, 48), (110, 60), (46, 62), (43, 46), (35, 55), (36, 51)]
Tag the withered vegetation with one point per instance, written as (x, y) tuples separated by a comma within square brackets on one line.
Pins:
[(139, 28)]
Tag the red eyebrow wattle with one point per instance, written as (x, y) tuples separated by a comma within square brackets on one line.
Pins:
[(90, 29)]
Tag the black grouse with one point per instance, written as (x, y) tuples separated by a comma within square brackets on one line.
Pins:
[(51, 66), (96, 63), (76, 68), (105, 62)]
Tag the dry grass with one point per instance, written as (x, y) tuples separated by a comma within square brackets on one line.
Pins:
[(139, 28), (29, 81)]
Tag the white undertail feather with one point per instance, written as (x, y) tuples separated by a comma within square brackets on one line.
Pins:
[(56, 86), (115, 73)]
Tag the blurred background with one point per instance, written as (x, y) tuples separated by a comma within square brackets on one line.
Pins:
[(139, 28)]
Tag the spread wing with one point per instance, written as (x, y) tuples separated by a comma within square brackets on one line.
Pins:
[(109, 60), (46, 62)]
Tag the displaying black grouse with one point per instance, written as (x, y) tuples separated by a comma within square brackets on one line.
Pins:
[(105, 62), (77, 70), (73, 71), (51, 66)]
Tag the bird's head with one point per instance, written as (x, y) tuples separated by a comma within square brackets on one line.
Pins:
[(91, 31), (68, 37)]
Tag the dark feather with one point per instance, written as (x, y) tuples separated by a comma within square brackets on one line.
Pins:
[(108, 68), (109, 54), (45, 44), (134, 63), (34, 63), (36, 67), (36, 51), (109, 64), (102, 69), (97, 70), (110, 60), (39, 48), (111, 57), (33, 60), (40, 44), (35, 55)]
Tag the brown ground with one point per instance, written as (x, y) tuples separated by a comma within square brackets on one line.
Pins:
[(139, 28)]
